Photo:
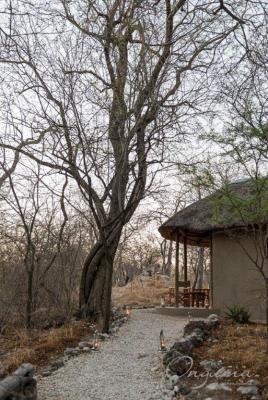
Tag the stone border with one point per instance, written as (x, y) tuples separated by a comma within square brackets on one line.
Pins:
[(19, 385), (178, 362), (85, 346), (178, 358)]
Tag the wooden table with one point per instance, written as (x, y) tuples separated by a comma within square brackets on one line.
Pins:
[(190, 297)]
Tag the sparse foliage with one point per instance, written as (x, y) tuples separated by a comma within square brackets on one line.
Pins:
[(238, 314)]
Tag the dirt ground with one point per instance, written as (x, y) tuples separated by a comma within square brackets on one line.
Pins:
[(143, 290), (39, 346), (241, 348)]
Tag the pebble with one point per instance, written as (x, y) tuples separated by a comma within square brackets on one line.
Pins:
[(248, 390), (86, 349), (81, 345), (218, 386)]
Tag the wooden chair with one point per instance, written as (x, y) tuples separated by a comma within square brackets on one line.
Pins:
[(188, 297), (184, 297), (198, 298), (171, 295)]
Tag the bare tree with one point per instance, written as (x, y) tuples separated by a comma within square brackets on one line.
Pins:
[(28, 205), (41, 237), (98, 89), (243, 144)]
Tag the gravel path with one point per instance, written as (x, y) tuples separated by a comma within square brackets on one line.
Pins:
[(127, 367)]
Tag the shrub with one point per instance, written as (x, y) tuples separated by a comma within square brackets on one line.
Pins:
[(238, 314)]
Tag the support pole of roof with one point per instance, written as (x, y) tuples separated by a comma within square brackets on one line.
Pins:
[(211, 271), (177, 270), (185, 258)]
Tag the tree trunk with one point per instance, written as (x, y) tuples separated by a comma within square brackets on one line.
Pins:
[(169, 259), (200, 268), (266, 311), (96, 284), (29, 304)]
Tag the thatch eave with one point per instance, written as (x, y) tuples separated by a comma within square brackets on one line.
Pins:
[(197, 221)]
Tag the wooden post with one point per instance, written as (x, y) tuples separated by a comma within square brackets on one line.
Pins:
[(177, 270), (211, 273), (185, 258)]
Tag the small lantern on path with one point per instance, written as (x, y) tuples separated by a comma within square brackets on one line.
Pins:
[(96, 342), (162, 302), (162, 341), (128, 311)]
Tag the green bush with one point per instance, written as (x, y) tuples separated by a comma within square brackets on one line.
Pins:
[(238, 314)]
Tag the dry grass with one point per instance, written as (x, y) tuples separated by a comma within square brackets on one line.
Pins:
[(38, 347), (142, 291), (244, 347)]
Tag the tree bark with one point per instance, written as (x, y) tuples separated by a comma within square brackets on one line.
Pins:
[(167, 251), (169, 259), (200, 268), (266, 312), (29, 303), (96, 283)]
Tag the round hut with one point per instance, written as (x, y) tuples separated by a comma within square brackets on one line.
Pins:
[(232, 222)]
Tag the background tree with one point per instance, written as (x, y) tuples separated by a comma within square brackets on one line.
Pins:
[(40, 238)]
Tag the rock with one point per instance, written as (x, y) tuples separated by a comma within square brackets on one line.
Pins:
[(56, 364), (223, 373), (180, 365), (196, 337), (115, 310), (183, 346), (46, 372), (213, 317), (169, 385), (249, 390), (184, 389), (103, 336), (26, 369), (175, 390), (71, 352), (119, 322), (114, 330), (155, 369), (215, 386), (86, 349), (253, 382), (193, 325), (212, 323), (169, 356), (174, 379), (199, 332), (81, 345), (211, 365)]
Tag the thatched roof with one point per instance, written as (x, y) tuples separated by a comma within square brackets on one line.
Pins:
[(216, 212)]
